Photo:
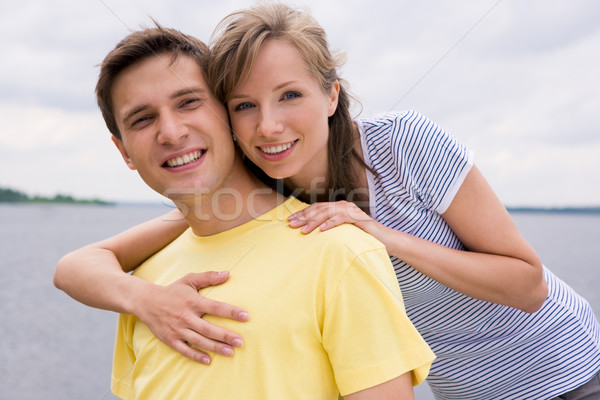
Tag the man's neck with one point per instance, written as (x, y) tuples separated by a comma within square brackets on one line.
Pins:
[(242, 199)]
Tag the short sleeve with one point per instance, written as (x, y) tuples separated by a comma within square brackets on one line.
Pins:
[(366, 333), (123, 359), (431, 163)]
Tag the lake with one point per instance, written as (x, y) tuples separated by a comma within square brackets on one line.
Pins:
[(54, 348)]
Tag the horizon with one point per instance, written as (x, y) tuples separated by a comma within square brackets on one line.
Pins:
[(162, 201)]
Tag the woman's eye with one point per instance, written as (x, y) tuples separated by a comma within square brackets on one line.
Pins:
[(291, 95), (242, 106)]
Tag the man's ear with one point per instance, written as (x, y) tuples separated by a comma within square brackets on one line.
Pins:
[(333, 97), (119, 143)]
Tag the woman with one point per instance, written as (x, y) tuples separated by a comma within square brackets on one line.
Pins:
[(500, 323)]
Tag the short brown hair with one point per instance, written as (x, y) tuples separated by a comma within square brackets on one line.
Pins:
[(137, 47)]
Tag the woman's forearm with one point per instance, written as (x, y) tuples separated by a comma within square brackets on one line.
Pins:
[(93, 276), (496, 278), (96, 275)]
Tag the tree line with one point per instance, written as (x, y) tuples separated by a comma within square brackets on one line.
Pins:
[(14, 196)]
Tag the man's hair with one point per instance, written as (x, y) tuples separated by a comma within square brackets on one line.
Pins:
[(137, 47)]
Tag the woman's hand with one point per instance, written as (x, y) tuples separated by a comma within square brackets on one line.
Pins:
[(174, 314), (331, 214)]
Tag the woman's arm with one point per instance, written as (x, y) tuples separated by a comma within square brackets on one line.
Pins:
[(96, 275), (500, 266)]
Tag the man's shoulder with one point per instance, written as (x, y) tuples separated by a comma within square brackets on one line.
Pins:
[(351, 237), (347, 235), (155, 263)]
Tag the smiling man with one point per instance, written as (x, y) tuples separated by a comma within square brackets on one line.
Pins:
[(326, 313)]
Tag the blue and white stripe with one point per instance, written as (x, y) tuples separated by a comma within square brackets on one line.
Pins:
[(484, 350)]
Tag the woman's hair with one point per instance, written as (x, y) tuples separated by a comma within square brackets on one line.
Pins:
[(235, 45)]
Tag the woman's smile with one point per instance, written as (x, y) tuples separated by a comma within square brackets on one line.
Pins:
[(276, 152)]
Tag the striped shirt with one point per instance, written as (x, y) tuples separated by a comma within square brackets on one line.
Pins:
[(484, 350)]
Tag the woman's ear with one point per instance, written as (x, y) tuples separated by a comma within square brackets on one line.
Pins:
[(333, 97), (119, 143)]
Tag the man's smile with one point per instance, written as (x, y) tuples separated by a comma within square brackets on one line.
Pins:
[(184, 159)]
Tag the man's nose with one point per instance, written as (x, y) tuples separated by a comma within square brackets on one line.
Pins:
[(171, 129)]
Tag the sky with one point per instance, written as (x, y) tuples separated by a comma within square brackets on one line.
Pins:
[(517, 81)]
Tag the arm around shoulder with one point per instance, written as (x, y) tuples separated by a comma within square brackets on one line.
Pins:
[(96, 274)]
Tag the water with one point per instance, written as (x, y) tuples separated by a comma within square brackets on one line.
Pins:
[(54, 348), (51, 346)]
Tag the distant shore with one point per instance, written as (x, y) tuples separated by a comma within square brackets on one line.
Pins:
[(555, 210), (15, 196)]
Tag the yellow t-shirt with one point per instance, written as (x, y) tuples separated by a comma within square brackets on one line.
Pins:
[(326, 317)]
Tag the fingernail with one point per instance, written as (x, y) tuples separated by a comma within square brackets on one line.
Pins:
[(226, 351), (292, 217), (243, 316), (223, 273), (237, 342), (205, 360), (294, 222), (323, 225)]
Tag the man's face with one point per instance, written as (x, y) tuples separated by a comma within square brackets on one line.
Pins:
[(174, 132)]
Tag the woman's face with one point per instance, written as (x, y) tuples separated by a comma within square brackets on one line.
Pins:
[(279, 115)]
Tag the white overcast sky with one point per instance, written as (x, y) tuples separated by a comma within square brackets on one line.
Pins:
[(518, 81)]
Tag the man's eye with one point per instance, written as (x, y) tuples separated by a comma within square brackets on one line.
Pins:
[(190, 102), (242, 106), (291, 95), (141, 121)]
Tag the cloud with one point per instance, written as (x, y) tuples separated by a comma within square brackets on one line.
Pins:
[(515, 81), (51, 150), (525, 28)]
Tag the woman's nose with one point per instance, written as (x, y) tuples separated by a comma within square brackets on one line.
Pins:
[(269, 123)]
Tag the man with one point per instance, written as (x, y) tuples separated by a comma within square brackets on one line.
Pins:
[(326, 313)]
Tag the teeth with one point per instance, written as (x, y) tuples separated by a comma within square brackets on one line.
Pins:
[(185, 159), (276, 149)]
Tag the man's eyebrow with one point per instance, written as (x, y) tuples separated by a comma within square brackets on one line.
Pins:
[(189, 90), (135, 111)]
